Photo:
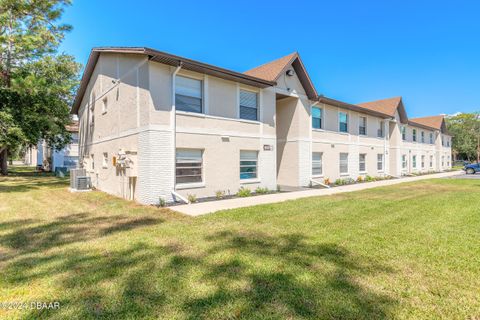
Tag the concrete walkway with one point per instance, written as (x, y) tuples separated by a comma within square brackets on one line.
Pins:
[(197, 209)]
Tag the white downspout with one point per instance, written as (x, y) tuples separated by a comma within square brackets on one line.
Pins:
[(310, 135), (173, 121)]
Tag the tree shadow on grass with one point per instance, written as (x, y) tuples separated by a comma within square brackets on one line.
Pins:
[(25, 185), (29, 236), (235, 275)]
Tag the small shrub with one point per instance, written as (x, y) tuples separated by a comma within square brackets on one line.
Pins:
[(326, 181), (162, 202), (244, 192), (220, 194), (192, 198), (349, 181), (359, 179), (339, 182), (369, 178), (261, 190), (379, 178)]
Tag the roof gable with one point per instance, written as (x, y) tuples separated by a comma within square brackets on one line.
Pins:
[(271, 71), (434, 122), (387, 106)]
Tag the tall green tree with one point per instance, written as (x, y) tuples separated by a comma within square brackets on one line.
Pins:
[(36, 86), (465, 127)]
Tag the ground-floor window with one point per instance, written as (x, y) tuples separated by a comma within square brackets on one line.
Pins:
[(414, 161), (248, 164), (404, 161), (189, 166), (343, 162), (105, 160), (443, 160), (361, 162), (317, 169), (380, 162), (431, 161), (423, 162)]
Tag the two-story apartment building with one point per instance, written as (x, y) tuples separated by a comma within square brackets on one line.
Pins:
[(155, 125)]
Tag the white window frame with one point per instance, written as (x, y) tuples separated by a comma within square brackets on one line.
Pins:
[(340, 163), (404, 162), (431, 137), (381, 157), (422, 136), (348, 120), (322, 113), (360, 125), (422, 161), (403, 132), (431, 161), (257, 174), (414, 135), (414, 161), (190, 184), (202, 93), (240, 89), (320, 162), (381, 129), (364, 162)]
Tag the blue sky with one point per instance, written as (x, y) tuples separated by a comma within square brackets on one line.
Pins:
[(355, 51)]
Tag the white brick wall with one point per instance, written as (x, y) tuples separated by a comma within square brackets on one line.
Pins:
[(267, 169), (155, 173), (304, 163)]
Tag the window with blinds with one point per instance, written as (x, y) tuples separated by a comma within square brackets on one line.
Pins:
[(343, 162), (362, 162), (317, 169), (362, 127), (342, 122), (380, 162), (248, 164), (317, 118), (248, 105), (188, 166), (188, 94)]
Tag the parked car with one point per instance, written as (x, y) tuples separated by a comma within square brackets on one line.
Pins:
[(472, 168)]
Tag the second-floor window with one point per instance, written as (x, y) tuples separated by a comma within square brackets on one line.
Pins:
[(317, 116), (414, 135), (248, 105), (423, 137), (380, 132), (188, 94), (362, 126), (342, 122), (431, 138), (404, 133), (448, 142)]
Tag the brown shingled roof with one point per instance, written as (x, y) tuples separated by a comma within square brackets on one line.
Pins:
[(272, 70), (435, 122), (388, 106)]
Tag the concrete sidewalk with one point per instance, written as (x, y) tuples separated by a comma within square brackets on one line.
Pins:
[(197, 209)]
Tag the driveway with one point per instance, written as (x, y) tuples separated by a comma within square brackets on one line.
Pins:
[(463, 175)]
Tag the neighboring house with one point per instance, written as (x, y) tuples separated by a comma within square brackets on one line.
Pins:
[(65, 158), (154, 125)]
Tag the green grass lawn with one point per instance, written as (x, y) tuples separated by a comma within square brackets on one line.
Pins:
[(409, 251)]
